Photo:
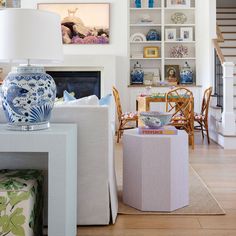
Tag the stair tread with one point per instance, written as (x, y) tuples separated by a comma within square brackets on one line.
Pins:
[(228, 32), (228, 47), (226, 135), (233, 7), (223, 25), (234, 18), (229, 55), (226, 12), (230, 39)]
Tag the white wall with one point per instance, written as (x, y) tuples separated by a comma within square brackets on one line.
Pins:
[(205, 32), (118, 41)]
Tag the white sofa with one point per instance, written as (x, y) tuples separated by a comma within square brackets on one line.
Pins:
[(97, 194)]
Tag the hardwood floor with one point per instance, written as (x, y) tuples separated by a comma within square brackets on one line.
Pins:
[(217, 167)]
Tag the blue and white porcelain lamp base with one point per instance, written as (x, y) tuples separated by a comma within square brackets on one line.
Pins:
[(28, 96)]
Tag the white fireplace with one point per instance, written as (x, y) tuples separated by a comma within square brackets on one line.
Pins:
[(104, 64)]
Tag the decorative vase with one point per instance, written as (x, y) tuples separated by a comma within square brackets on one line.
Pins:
[(138, 4), (151, 3), (186, 74), (137, 74), (28, 95), (153, 35)]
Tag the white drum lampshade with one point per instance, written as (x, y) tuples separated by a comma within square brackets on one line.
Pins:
[(30, 34), (33, 37)]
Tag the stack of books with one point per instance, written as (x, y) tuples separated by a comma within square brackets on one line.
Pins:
[(165, 130)]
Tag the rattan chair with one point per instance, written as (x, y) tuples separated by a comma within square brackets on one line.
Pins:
[(202, 118), (124, 118), (183, 110)]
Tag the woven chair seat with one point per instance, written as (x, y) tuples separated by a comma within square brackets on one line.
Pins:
[(129, 116), (199, 117), (178, 119)]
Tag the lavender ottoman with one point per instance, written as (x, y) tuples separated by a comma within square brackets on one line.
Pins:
[(155, 176)]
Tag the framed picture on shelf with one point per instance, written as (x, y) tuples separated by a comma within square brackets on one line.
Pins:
[(172, 74), (178, 4), (151, 52), (186, 34), (82, 23), (170, 34)]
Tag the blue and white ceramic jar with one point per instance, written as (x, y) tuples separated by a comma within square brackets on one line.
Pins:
[(137, 74), (186, 74), (28, 96), (153, 35)]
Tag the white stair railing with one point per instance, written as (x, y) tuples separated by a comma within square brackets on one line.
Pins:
[(228, 116)]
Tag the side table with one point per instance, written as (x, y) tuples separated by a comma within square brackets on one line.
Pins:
[(155, 173), (60, 143)]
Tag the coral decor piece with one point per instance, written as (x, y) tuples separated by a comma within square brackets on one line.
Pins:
[(2, 3), (179, 51)]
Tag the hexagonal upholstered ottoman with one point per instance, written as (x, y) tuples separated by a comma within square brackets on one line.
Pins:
[(155, 174), (21, 202)]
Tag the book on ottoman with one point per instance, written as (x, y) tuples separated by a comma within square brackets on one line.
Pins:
[(165, 130), (21, 202)]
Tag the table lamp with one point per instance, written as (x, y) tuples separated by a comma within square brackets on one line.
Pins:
[(33, 37)]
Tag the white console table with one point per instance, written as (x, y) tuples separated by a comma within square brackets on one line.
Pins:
[(60, 143)]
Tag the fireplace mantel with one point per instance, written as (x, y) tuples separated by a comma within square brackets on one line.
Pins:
[(105, 64)]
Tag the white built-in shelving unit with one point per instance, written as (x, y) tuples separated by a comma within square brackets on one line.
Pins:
[(161, 20)]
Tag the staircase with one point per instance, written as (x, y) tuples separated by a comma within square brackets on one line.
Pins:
[(226, 21), (223, 126)]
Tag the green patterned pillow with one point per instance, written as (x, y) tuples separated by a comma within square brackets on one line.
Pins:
[(21, 202)]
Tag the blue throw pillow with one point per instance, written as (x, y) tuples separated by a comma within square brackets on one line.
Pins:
[(105, 100), (68, 97)]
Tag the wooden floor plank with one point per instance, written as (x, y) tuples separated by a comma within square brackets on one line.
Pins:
[(154, 232)]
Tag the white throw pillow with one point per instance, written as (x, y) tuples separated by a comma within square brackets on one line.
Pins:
[(86, 101)]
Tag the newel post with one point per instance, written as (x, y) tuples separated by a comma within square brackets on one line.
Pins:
[(228, 116)]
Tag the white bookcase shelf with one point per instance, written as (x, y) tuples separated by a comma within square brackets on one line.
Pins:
[(142, 58), (146, 42), (161, 20), (144, 25), (184, 58), (181, 42), (180, 9), (145, 9)]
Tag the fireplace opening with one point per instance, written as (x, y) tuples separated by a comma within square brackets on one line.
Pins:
[(82, 83)]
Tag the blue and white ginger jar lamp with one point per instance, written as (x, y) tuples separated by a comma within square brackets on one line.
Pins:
[(28, 96), (28, 93)]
